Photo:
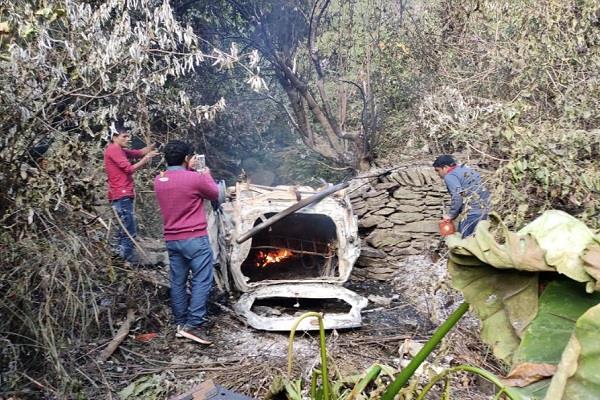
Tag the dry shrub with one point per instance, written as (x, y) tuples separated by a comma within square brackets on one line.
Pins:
[(513, 83), (49, 307)]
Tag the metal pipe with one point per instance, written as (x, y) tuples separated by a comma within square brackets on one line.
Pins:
[(291, 209)]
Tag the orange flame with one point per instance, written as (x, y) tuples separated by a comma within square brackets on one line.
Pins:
[(270, 257)]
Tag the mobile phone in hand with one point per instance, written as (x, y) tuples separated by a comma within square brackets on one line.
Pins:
[(200, 162)]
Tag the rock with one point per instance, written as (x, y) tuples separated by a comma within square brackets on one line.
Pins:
[(432, 201), (386, 237), (380, 271), (385, 211), (392, 203), (386, 224), (409, 208), (374, 193), (403, 218), (358, 203), (371, 252), (386, 185), (416, 177), (406, 251), (377, 202), (427, 226), (397, 176), (405, 194), (370, 221), (361, 212), (436, 193), (400, 245), (373, 262)]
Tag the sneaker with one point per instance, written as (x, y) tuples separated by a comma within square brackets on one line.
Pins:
[(177, 329), (196, 334)]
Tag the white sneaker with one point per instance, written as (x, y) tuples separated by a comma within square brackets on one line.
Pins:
[(177, 329)]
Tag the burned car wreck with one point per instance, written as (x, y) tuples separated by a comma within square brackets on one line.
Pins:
[(289, 250)]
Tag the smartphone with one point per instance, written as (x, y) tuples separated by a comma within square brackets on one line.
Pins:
[(201, 162)]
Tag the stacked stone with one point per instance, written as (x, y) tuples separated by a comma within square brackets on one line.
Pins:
[(398, 215)]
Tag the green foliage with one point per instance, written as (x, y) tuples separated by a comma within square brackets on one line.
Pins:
[(560, 305), (543, 337), (513, 84), (68, 69), (577, 376), (362, 386), (147, 387)]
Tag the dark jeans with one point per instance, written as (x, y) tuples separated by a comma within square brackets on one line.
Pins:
[(124, 245), (467, 225), (187, 255)]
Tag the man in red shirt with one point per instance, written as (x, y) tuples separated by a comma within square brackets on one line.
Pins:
[(119, 173), (181, 192)]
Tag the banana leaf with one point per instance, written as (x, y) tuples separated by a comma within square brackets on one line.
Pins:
[(563, 239), (504, 300), (550, 337), (578, 375), (591, 262), (494, 245)]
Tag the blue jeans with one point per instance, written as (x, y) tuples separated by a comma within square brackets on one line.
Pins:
[(187, 255), (467, 225), (124, 209)]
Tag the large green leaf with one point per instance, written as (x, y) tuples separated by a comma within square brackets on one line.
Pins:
[(498, 247), (560, 305), (563, 238), (591, 261), (505, 301), (556, 340), (541, 348), (578, 374), (535, 391)]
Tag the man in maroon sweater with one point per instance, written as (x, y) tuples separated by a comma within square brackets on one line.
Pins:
[(119, 174), (181, 191)]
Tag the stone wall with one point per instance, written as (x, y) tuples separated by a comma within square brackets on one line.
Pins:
[(398, 215)]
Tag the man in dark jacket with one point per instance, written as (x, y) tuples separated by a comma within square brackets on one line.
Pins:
[(468, 195)]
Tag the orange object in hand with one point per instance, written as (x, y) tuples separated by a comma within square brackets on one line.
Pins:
[(447, 227)]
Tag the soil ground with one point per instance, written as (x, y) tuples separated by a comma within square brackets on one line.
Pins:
[(246, 360)]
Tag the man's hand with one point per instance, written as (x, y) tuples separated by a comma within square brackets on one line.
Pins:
[(151, 154), (146, 150), (193, 164), (446, 218)]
